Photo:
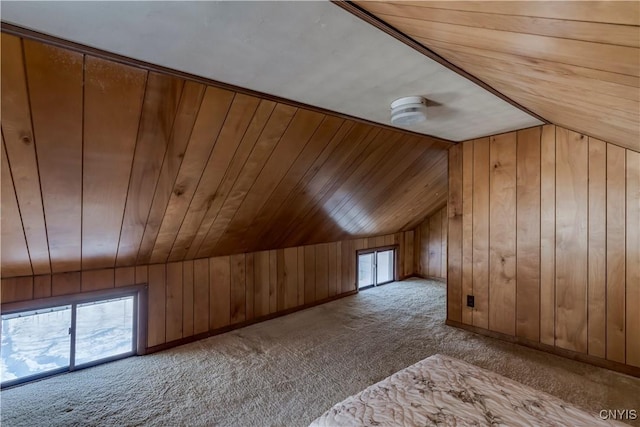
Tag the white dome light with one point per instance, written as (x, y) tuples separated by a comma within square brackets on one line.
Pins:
[(408, 111)]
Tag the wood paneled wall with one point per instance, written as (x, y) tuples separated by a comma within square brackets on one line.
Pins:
[(110, 165), (193, 297), (430, 257), (544, 231)]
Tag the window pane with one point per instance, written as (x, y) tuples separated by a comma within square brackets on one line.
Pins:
[(104, 329), (35, 342), (365, 270), (385, 266)]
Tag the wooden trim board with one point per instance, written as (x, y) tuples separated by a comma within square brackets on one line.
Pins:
[(568, 354), (232, 327)]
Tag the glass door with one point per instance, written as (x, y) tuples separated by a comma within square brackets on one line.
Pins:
[(376, 267), (384, 266), (52, 340), (104, 330), (35, 344), (366, 275)]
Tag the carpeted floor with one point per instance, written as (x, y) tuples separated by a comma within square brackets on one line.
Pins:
[(289, 370)]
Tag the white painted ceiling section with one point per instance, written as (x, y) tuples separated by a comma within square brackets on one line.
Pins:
[(311, 52)]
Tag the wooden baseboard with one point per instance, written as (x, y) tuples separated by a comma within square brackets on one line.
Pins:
[(573, 355), (229, 328), (437, 279)]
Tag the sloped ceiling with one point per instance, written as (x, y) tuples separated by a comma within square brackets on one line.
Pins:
[(576, 64), (106, 164), (311, 52)]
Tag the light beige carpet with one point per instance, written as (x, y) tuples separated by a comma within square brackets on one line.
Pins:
[(289, 370)]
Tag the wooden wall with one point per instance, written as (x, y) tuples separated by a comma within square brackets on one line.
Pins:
[(193, 297), (430, 257), (544, 231)]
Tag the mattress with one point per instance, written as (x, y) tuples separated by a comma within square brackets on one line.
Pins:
[(443, 391)]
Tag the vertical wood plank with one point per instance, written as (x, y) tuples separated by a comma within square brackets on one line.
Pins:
[(42, 286), (112, 103), (502, 234), (425, 238), (389, 240), (332, 266), (443, 239), (408, 253), (399, 241), (322, 272), (548, 234), (417, 242), (309, 274), (261, 283), (281, 280), (156, 310), (435, 244), (18, 136), (220, 292), (467, 230), (94, 280), (528, 234), (141, 274), (187, 298), (65, 284), (15, 255), (55, 79), (174, 301), (454, 214), (201, 298), (291, 277), (339, 273), (633, 259), (597, 292), (300, 272), (347, 252), (249, 292), (371, 242), (238, 286), (124, 276), (481, 163), (17, 289), (572, 160), (616, 201), (273, 281)]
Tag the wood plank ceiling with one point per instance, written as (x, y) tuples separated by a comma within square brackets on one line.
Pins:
[(577, 64), (105, 164)]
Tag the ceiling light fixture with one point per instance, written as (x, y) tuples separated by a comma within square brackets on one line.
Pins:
[(408, 111)]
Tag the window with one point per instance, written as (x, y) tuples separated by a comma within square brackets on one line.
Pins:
[(375, 267), (51, 340)]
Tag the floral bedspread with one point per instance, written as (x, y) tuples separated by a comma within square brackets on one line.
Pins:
[(443, 391)]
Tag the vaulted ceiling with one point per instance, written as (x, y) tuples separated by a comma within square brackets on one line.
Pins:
[(575, 63), (108, 164), (168, 133)]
